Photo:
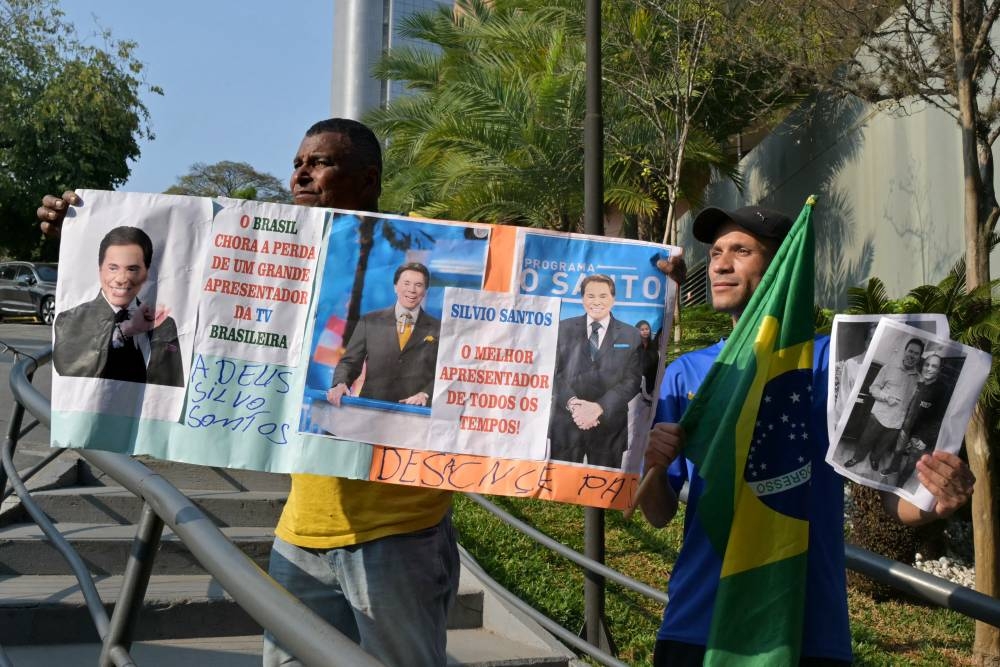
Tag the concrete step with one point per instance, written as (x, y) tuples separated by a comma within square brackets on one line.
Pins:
[(469, 648), (244, 651), (485, 648), (113, 504), (189, 476), (50, 609), (25, 550)]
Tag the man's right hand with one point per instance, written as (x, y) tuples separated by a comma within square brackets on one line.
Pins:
[(53, 210), (665, 444), (335, 393)]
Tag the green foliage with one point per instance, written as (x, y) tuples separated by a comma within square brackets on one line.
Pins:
[(884, 633), (495, 133), (823, 320), (70, 115), (701, 326), (873, 298), (553, 585), (230, 179)]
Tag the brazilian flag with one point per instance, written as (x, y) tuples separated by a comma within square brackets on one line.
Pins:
[(747, 431)]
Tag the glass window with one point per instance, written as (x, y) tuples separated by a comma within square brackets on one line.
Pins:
[(46, 272)]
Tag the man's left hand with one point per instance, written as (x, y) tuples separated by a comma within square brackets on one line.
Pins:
[(948, 478), (675, 267)]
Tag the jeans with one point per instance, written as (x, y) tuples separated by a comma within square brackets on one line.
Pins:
[(390, 595), (876, 442)]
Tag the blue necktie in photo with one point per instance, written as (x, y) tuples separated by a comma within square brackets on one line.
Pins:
[(595, 340)]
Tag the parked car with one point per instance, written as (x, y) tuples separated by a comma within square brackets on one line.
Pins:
[(28, 288)]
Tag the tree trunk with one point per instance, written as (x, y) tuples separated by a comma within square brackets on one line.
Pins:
[(979, 204), (986, 530)]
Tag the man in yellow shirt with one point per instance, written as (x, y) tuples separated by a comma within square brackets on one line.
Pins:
[(378, 561)]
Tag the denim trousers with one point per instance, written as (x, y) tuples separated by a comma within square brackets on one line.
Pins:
[(390, 595)]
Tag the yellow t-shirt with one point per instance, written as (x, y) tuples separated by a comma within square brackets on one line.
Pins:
[(328, 512)]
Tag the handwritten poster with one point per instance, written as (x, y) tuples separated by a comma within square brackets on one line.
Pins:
[(454, 355)]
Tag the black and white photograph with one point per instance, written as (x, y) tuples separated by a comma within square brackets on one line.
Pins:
[(913, 394), (850, 339)]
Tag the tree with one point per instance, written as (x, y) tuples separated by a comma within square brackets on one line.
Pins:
[(495, 133), (492, 133), (70, 115), (685, 77), (230, 179), (940, 52)]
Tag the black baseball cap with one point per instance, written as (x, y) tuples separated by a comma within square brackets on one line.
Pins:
[(756, 220)]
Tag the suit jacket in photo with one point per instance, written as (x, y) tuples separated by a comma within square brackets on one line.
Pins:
[(82, 348), (392, 374), (611, 380), (926, 411)]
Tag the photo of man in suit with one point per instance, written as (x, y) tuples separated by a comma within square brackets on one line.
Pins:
[(397, 346), (115, 336), (598, 371), (922, 423)]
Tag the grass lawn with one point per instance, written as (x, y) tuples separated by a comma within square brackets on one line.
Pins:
[(885, 633)]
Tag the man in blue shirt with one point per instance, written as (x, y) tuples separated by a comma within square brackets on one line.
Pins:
[(743, 242)]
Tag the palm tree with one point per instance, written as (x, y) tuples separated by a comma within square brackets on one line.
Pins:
[(494, 131)]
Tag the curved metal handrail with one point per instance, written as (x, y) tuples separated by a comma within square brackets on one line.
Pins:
[(313, 639), (935, 590), (564, 635), (570, 554), (906, 578), (294, 625)]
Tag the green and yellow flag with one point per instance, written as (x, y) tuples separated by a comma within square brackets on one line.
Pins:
[(747, 431)]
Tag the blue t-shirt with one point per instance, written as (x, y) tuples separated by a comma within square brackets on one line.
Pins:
[(693, 583)]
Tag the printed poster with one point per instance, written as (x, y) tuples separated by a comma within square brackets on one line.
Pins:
[(454, 355)]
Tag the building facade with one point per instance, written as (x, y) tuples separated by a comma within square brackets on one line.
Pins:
[(889, 183), (362, 31)]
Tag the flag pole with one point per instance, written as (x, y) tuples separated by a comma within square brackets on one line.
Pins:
[(654, 473)]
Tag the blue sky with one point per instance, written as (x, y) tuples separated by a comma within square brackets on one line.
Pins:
[(242, 80)]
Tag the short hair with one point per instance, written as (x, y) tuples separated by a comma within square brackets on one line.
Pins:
[(412, 266), (598, 278), (914, 341), (364, 143), (127, 236)]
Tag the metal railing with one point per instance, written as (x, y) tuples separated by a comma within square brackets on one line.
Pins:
[(294, 625), (905, 578)]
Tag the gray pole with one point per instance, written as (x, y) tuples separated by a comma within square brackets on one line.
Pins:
[(593, 128), (593, 223)]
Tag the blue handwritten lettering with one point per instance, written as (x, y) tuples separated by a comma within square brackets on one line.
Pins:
[(240, 410)]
